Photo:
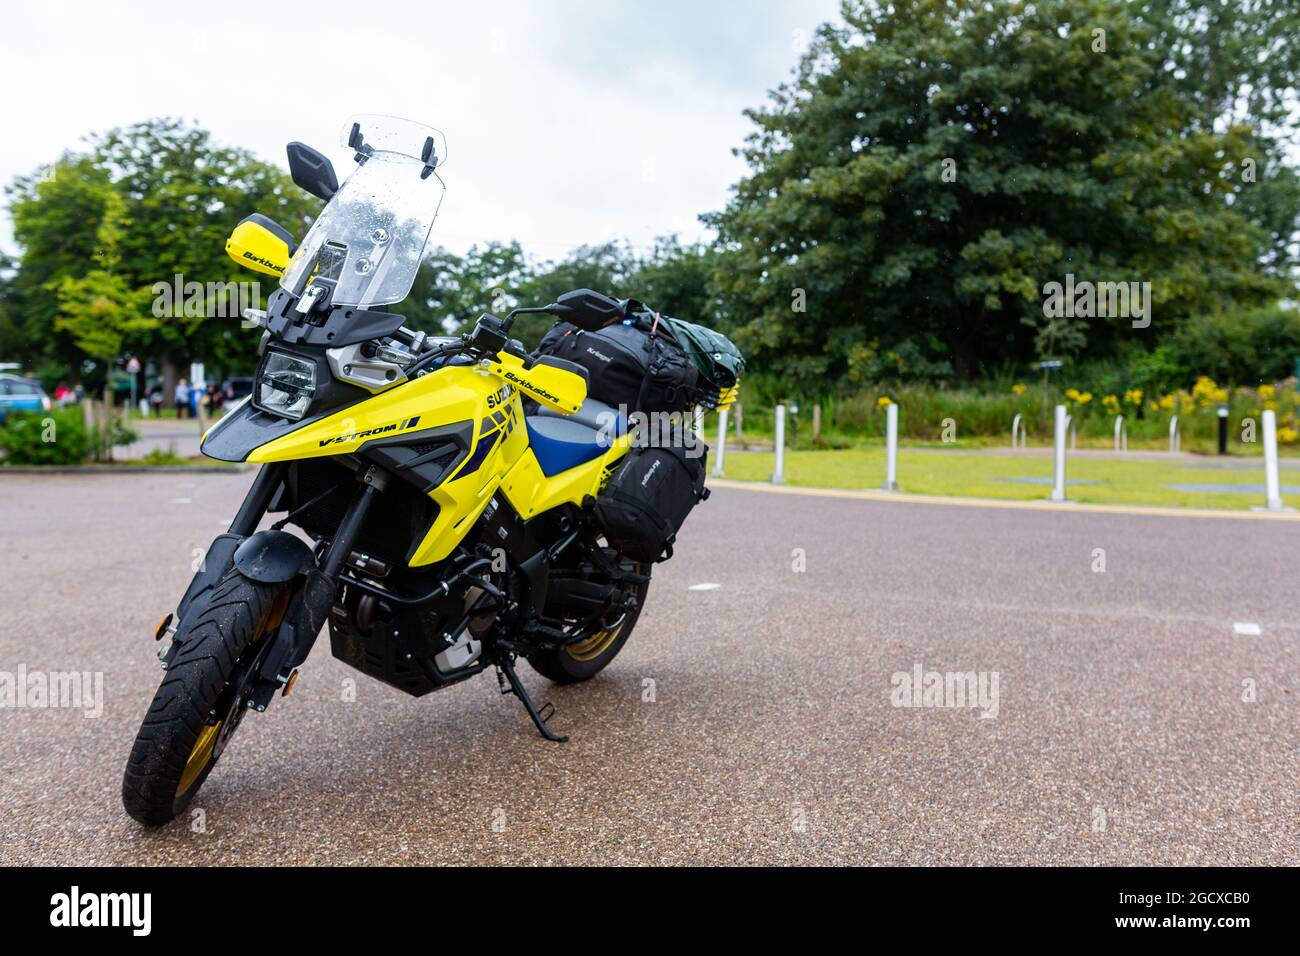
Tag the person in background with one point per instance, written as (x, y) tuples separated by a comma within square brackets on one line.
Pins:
[(182, 397)]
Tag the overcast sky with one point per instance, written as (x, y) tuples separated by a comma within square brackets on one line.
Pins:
[(567, 121)]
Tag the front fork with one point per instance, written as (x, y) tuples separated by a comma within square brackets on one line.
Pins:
[(221, 553), (310, 604)]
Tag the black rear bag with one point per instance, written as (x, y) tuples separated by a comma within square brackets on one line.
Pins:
[(647, 500)]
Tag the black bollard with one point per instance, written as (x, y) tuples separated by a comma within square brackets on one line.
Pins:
[(1223, 429)]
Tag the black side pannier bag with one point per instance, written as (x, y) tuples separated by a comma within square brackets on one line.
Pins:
[(647, 500), (627, 366)]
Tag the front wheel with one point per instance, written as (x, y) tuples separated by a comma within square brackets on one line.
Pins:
[(201, 700)]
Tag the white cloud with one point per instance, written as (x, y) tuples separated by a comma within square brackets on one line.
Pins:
[(568, 121)]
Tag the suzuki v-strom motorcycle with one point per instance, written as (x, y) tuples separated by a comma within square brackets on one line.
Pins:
[(450, 524)]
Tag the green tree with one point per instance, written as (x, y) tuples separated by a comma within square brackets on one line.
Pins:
[(452, 291), (11, 342), (933, 164), (184, 195), (606, 268), (57, 217), (175, 195), (676, 280)]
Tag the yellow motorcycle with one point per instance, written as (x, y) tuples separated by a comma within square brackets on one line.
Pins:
[(443, 486)]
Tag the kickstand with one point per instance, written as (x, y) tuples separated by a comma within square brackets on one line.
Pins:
[(506, 666)]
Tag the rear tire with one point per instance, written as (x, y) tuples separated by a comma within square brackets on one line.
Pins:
[(583, 661), (180, 741)]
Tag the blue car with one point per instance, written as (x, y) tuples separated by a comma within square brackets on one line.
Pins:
[(21, 395)]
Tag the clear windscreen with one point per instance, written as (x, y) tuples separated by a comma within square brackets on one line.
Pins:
[(369, 239)]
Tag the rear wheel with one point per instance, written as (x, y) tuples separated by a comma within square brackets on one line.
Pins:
[(587, 658), (202, 699)]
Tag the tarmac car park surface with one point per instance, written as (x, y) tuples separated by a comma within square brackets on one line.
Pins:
[(749, 722)]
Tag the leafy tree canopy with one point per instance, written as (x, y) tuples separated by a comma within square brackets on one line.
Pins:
[(934, 164), (138, 207)]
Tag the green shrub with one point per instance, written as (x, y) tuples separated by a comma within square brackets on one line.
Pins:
[(44, 438), (1239, 348), (161, 456)]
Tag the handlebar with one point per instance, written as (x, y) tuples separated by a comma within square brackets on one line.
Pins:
[(488, 338)]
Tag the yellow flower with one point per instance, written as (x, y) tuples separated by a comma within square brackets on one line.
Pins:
[(1072, 394), (1133, 396), (1287, 436), (884, 400), (1085, 398), (1267, 391), (1111, 403), (1019, 389), (1167, 403), (1207, 393), (1271, 405)]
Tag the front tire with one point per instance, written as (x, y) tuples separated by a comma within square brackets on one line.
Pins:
[(195, 711)]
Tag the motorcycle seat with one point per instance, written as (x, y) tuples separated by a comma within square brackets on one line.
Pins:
[(592, 413), (561, 441)]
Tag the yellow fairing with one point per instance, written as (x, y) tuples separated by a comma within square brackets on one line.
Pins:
[(444, 397), (530, 492), (488, 395)]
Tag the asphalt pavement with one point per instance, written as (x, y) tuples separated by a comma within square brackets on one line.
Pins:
[(1135, 677)]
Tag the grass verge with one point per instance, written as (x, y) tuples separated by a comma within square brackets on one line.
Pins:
[(985, 476)]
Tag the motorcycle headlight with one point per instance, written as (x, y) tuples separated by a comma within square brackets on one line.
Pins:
[(286, 385)]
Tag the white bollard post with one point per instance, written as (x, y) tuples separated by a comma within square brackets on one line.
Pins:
[(778, 476), (1015, 430), (699, 420), (1121, 434), (891, 447), (1061, 425), (722, 443), (1271, 479), (1175, 439)]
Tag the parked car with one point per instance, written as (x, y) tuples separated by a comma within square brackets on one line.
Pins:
[(21, 394), (237, 388)]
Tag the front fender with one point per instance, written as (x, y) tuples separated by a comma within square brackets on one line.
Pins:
[(273, 557)]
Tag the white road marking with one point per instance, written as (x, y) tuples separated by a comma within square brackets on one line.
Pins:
[(182, 501), (1245, 629), (705, 586)]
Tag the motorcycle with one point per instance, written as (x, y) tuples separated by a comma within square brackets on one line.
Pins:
[(443, 485)]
